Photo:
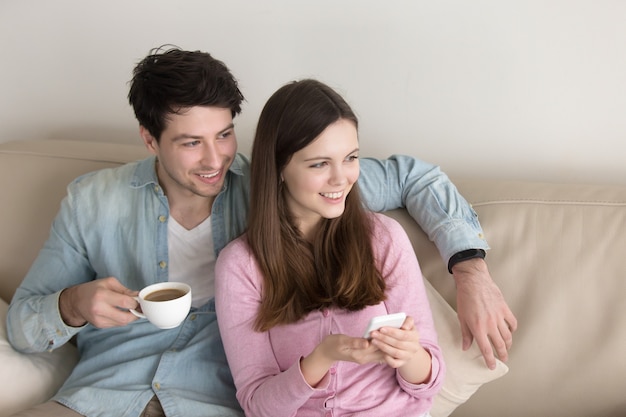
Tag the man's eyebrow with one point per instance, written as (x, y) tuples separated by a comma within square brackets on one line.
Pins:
[(184, 136), (229, 127)]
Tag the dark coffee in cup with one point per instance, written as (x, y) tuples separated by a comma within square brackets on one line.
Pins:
[(165, 294)]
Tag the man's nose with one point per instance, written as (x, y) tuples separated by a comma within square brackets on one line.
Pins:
[(210, 155)]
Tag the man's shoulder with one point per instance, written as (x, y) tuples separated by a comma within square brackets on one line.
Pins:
[(241, 165), (109, 177)]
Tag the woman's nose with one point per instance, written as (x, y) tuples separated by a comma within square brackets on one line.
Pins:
[(338, 176)]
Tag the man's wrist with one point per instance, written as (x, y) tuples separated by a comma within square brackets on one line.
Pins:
[(464, 256), (67, 311)]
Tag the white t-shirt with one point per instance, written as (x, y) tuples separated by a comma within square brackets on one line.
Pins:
[(192, 259)]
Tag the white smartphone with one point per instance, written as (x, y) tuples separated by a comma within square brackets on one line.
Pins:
[(390, 320)]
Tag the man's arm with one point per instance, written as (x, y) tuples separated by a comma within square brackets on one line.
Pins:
[(429, 197), (450, 222), (59, 295)]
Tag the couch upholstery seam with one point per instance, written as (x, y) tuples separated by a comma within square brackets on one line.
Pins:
[(552, 202)]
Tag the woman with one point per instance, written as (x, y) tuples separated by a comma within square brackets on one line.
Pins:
[(296, 292)]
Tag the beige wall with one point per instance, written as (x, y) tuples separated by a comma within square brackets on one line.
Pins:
[(519, 89)]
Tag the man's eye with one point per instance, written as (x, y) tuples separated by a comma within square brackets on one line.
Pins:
[(191, 144), (225, 134)]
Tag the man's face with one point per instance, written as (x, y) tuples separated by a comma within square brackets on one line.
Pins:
[(195, 151)]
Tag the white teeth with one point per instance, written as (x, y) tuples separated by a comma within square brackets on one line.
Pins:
[(333, 196), (209, 175)]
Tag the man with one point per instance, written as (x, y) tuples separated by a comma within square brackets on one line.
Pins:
[(167, 218)]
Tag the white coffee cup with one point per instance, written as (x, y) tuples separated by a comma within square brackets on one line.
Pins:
[(165, 304)]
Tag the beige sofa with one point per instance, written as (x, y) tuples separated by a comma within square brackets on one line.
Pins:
[(558, 254)]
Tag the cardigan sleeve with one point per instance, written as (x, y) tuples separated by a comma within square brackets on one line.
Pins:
[(263, 389), (406, 292)]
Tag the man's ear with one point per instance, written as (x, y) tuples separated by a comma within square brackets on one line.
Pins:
[(148, 140)]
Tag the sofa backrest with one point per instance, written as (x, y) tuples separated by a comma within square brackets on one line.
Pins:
[(33, 180)]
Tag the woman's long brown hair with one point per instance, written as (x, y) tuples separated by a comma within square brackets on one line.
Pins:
[(338, 267)]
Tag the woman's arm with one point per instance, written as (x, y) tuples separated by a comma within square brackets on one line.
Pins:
[(413, 350), (263, 388)]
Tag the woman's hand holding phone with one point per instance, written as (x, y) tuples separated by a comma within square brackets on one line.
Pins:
[(402, 350)]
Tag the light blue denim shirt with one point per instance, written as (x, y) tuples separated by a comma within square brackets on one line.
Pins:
[(114, 223)]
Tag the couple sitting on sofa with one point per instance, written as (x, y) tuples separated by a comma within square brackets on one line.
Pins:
[(167, 218)]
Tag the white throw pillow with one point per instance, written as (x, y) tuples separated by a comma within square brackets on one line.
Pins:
[(30, 379), (466, 370)]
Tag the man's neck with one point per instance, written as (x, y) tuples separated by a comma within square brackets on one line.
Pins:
[(191, 215), (187, 208)]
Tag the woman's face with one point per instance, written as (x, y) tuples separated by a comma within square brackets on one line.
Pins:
[(319, 177)]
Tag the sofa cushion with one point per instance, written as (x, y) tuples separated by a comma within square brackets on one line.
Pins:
[(30, 379), (466, 370)]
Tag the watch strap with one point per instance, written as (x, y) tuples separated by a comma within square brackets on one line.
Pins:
[(464, 256)]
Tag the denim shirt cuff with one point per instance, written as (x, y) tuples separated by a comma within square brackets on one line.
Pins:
[(57, 332), (459, 236)]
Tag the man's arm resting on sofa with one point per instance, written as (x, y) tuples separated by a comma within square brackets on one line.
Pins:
[(450, 222)]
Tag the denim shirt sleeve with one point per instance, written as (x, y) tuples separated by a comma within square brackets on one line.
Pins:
[(34, 321), (429, 197), (34, 324)]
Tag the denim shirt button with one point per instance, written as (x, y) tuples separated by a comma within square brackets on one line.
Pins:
[(192, 317), (157, 386), (162, 218), (162, 264)]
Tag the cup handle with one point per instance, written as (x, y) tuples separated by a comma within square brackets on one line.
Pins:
[(135, 312)]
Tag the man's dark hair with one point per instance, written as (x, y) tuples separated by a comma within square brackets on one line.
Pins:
[(170, 81)]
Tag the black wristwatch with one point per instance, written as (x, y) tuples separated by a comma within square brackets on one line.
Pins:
[(464, 256)]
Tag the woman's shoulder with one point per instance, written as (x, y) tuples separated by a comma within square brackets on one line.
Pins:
[(388, 235), (384, 225), (237, 248), (237, 266)]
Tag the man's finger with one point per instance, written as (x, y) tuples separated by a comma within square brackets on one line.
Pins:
[(468, 338)]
